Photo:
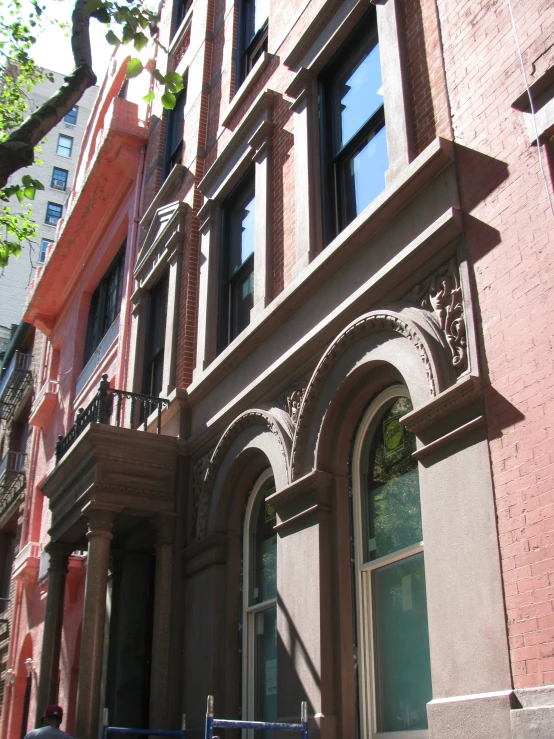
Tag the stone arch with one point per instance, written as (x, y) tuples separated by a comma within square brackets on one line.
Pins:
[(20, 687), (255, 432), (397, 344)]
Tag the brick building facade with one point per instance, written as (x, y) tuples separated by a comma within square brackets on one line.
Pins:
[(299, 334)]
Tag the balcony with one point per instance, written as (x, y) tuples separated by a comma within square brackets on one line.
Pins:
[(12, 480), (26, 564), (15, 381), (44, 404), (114, 455)]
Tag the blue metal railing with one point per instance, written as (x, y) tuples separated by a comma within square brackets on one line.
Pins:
[(223, 723), (182, 733)]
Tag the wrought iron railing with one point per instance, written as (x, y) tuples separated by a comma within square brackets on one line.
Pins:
[(12, 479), (14, 381), (114, 408)]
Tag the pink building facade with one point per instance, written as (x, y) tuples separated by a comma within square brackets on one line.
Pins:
[(292, 422)]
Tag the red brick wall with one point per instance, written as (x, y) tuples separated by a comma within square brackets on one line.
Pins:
[(508, 224)]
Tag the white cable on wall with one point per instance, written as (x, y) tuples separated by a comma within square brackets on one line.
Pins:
[(533, 115)]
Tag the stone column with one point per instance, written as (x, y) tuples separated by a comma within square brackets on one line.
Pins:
[(305, 661), (53, 622), (159, 675), (99, 535)]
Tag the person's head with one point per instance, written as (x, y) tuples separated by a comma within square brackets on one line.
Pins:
[(52, 716)]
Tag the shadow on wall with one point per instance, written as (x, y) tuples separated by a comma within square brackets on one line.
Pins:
[(293, 661)]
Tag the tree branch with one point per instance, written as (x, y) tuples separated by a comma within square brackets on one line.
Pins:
[(17, 151)]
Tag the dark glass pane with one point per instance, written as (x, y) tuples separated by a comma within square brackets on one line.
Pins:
[(401, 640), (71, 117), (155, 338), (242, 299), (265, 678), (256, 14), (390, 486), (264, 574), (363, 173), (113, 295), (358, 94)]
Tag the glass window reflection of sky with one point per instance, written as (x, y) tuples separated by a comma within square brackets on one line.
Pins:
[(361, 95), (247, 237), (368, 167)]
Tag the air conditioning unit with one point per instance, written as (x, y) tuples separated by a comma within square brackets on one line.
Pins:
[(52, 220), (58, 184)]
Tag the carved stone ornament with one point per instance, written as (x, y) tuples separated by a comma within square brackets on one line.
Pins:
[(199, 472), (377, 321), (206, 479), (291, 400), (441, 293)]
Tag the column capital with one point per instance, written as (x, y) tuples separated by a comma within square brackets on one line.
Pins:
[(164, 525), (59, 555), (100, 521)]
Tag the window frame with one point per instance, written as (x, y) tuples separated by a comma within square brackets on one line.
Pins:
[(152, 356), (74, 109), (249, 53), (174, 156), (228, 283), (249, 612), (47, 216), (43, 249), (367, 678), (180, 12), (337, 205), (69, 138), (100, 294), (59, 169)]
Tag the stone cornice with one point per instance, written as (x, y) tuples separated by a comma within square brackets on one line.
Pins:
[(259, 112), (165, 235), (314, 28)]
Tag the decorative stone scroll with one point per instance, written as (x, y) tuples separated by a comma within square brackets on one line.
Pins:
[(205, 472), (291, 400), (441, 293)]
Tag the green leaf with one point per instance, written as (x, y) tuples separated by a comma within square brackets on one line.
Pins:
[(38, 184), (112, 39), (157, 75), (93, 5), (168, 100), (20, 195), (27, 180), (140, 41), (134, 68), (102, 15), (14, 248), (174, 81), (29, 192), (3, 256), (149, 97)]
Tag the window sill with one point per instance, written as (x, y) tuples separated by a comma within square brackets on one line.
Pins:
[(246, 87), (396, 196)]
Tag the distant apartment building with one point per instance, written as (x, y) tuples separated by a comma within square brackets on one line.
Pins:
[(20, 345), (59, 155), (293, 430)]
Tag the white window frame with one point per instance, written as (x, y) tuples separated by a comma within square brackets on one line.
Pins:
[(364, 601), (64, 136), (249, 612)]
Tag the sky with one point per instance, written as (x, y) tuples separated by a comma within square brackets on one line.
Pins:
[(53, 48)]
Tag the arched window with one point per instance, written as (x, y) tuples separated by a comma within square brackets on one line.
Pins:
[(393, 642), (260, 605)]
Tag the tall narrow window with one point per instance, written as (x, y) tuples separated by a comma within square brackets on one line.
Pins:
[(53, 213), (393, 639), (253, 33), (354, 146), (44, 244), (155, 338), (59, 179), (65, 145), (105, 304), (237, 262), (71, 117), (173, 153), (181, 8), (260, 605)]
